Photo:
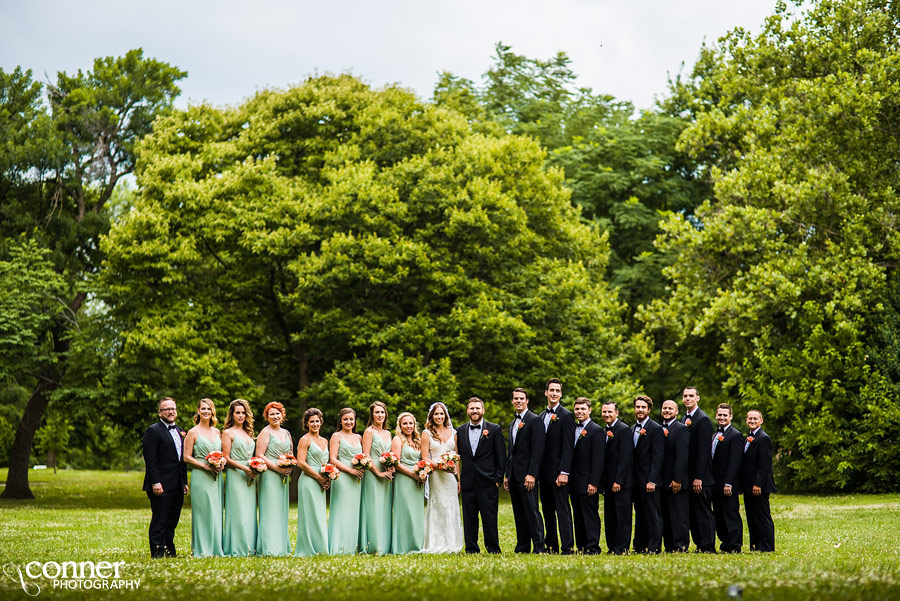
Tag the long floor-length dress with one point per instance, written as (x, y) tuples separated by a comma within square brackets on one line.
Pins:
[(239, 536), (375, 507), (408, 524), (443, 526), (272, 536), (312, 532), (343, 515), (206, 502)]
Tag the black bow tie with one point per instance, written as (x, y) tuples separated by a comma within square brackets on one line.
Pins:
[(171, 427), (474, 427), (721, 430)]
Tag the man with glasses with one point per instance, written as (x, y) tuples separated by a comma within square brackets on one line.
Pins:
[(165, 478)]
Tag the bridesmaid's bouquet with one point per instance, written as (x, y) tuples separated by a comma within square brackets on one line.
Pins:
[(330, 472), (361, 461), (217, 460), (448, 461), (257, 465), (389, 460), (286, 460), (422, 469)]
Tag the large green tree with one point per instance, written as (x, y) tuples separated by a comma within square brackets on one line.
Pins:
[(787, 280), (334, 245), (64, 149)]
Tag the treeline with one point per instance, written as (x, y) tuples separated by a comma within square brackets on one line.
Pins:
[(333, 244)]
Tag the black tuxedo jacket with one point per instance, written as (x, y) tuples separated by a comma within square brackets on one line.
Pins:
[(558, 445), (726, 464), (699, 460), (619, 452), (161, 459), (648, 455), (484, 468), (526, 453), (756, 466), (675, 455), (588, 457)]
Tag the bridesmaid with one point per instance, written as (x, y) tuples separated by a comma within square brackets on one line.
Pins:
[(375, 508), (239, 537), (343, 516), (206, 486), (272, 536), (408, 526), (312, 454)]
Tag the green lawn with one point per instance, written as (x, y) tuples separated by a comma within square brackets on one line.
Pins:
[(838, 547)]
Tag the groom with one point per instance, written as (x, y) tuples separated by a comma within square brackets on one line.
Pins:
[(165, 479), (482, 455)]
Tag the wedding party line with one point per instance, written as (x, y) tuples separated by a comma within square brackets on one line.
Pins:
[(424, 490)]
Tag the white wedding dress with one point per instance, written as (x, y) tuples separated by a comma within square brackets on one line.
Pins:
[(443, 526)]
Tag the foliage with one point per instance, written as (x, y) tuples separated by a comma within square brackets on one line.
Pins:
[(828, 548), (787, 280), (334, 245)]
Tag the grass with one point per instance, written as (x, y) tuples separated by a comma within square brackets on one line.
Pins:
[(829, 547)]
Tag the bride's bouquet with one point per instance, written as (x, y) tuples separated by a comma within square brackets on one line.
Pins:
[(217, 460), (257, 465), (286, 460), (422, 469), (389, 460), (361, 461), (448, 461)]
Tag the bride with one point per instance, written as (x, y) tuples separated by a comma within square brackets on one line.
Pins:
[(443, 528)]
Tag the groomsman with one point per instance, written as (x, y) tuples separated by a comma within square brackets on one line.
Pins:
[(674, 498), (587, 478), (757, 483), (559, 428), (482, 457), (727, 449), (526, 448), (649, 443), (702, 521), (617, 480), (165, 478)]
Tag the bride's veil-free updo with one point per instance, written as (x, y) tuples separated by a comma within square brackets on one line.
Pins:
[(429, 424)]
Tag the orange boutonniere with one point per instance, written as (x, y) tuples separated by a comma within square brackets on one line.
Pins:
[(182, 434), (583, 433), (687, 422), (521, 425), (720, 437), (666, 432), (609, 434), (750, 439), (643, 432), (485, 433), (553, 417)]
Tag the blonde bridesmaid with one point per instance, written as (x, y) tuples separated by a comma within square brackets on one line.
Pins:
[(239, 536), (408, 524), (273, 441), (206, 485)]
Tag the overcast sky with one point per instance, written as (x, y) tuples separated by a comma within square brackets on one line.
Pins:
[(231, 49)]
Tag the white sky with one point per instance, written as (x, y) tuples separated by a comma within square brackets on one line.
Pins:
[(233, 48)]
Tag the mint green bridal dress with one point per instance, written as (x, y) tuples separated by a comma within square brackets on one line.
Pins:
[(312, 533), (239, 537), (343, 515), (206, 502), (272, 536), (375, 506), (408, 524)]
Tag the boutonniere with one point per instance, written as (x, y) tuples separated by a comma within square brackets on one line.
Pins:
[(687, 422), (721, 437), (609, 434), (666, 432), (485, 433), (583, 433), (182, 434), (521, 425), (750, 439), (643, 432), (553, 417)]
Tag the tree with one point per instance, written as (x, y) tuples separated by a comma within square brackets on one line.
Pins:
[(788, 277), (58, 169), (333, 245)]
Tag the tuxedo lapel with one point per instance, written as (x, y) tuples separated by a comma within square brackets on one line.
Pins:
[(165, 434)]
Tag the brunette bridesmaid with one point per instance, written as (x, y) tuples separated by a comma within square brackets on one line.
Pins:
[(239, 536), (343, 515), (375, 508), (206, 483), (273, 441), (312, 454)]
